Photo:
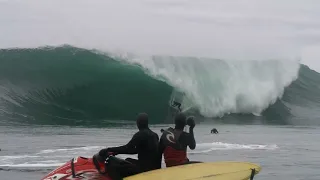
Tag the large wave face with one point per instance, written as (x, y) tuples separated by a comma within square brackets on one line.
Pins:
[(68, 85)]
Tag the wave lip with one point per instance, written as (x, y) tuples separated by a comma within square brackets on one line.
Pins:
[(219, 87)]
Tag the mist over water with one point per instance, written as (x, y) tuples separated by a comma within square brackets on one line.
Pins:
[(217, 29)]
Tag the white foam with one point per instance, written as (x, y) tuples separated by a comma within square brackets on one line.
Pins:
[(219, 87), (208, 147), (48, 157), (44, 159)]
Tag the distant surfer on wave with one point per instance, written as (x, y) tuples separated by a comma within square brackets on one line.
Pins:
[(174, 142), (176, 104)]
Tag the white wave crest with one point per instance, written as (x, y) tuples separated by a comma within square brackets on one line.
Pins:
[(208, 147), (219, 87)]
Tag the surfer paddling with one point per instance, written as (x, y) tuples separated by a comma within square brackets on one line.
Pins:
[(214, 131)]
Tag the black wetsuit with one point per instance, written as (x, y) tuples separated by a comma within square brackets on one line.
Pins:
[(144, 143), (214, 131), (173, 145), (177, 104)]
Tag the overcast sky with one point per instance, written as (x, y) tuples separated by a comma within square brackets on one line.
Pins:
[(233, 29)]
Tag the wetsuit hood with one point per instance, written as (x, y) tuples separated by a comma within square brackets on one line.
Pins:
[(142, 121), (180, 121)]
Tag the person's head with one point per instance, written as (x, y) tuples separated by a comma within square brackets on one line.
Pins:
[(142, 121), (180, 121)]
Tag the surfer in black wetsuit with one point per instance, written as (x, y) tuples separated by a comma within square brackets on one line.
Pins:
[(214, 131), (174, 142), (176, 104), (144, 143)]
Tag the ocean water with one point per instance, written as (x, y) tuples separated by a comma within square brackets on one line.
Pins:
[(60, 102), (74, 74), (283, 152)]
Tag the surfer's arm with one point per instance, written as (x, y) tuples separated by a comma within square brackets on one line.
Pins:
[(129, 148), (161, 148), (191, 140)]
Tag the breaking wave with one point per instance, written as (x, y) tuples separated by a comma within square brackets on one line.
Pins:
[(69, 85)]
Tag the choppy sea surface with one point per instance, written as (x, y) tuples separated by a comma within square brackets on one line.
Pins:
[(284, 152)]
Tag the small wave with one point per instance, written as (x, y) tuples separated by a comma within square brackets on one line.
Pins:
[(208, 147), (85, 148), (47, 158), (27, 169), (3, 158), (43, 159), (24, 165)]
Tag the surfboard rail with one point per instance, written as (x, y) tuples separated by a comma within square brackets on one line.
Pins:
[(223, 170)]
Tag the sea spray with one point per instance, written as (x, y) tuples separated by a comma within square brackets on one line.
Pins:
[(219, 87)]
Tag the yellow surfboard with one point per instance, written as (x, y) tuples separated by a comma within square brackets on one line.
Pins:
[(202, 171)]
